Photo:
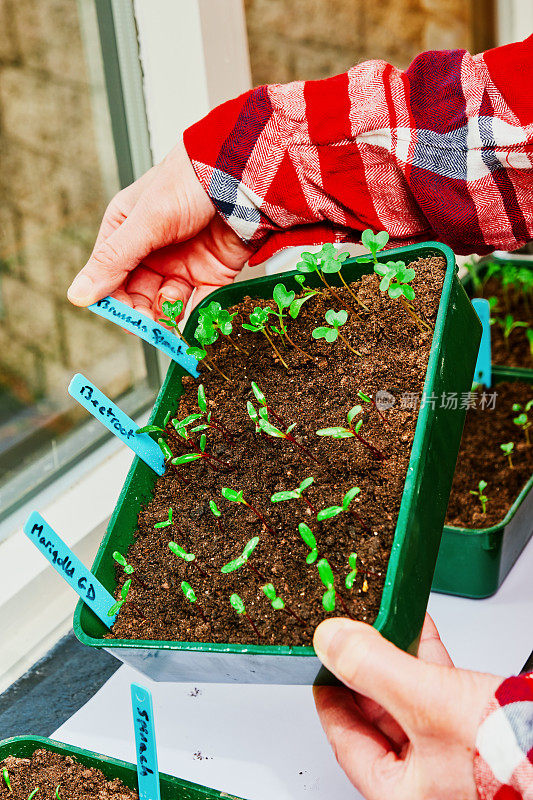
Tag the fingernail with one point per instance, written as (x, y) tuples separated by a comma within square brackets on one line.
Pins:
[(171, 294), (81, 289), (325, 633)]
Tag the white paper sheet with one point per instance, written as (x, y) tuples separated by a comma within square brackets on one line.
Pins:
[(264, 742)]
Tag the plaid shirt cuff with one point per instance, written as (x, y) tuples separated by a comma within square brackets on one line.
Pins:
[(503, 762)]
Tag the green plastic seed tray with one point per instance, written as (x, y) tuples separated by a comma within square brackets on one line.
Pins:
[(475, 562), (171, 788), (418, 529), (516, 373)]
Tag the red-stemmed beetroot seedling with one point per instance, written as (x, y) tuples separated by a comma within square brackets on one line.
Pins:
[(238, 605), (352, 432), (261, 399), (329, 597), (333, 511), (263, 424), (190, 595), (199, 453), (296, 494), (209, 419), (240, 561), (367, 399), (237, 497), (309, 538), (351, 576), (189, 558), (278, 604)]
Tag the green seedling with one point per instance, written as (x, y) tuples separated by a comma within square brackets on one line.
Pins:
[(508, 324), (171, 314), (522, 419), (128, 568), (332, 261), (326, 576), (238, 605), (166, 522), (309, 538), (508, 448), (314, 262), (367, 399), (261, 399), (483, 499), (57, 792), (259, 324), (115, 608), (278, 604), (5, 776), (241, 560), (32, 794), (217, 515), (190, 595), (286, 300), (296, 494), (155, 429), (336, 319), (214, 320), (395, 280), (333, 511), (119, 558), (209, 420), (374, 242), (199, 452), (350, 578), (352, 431), (263, 424), (237, 497), (329, 597), (189, 558)]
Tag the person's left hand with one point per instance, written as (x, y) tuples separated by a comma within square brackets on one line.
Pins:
[(401, 728)]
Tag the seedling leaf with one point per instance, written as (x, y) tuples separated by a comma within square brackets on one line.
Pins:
[(237, 604)]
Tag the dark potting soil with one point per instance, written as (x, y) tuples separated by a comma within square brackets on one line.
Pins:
[(513, 352), (315, 393), (480, 458), (48, 770)]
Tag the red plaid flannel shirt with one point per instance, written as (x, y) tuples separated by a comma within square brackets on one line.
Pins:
[(441, 151)]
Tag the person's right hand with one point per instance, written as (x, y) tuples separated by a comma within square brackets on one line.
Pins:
[(160, 239), (402, 728)]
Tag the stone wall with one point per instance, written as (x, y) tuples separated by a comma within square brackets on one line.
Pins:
[(54, 183), (312, 39)]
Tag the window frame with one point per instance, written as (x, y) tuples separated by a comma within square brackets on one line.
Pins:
[(131, 140)]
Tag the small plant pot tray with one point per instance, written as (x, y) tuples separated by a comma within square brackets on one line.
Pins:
[(418, 529), (171, 788), (513, 373), (475, 562)]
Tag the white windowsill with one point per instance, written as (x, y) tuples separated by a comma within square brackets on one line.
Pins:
[(36, 605)]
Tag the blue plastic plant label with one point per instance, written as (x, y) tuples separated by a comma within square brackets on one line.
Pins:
[(110, 415), (152, 332), (483, 371), (70, 567), (145, 747)]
